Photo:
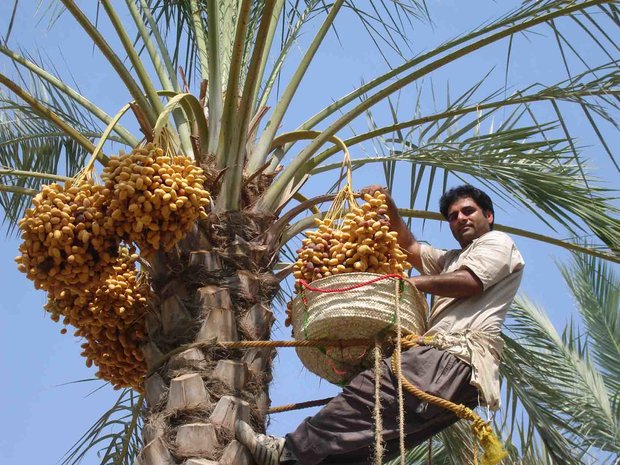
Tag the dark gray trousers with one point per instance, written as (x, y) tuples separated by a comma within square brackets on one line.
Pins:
[(342, 431)]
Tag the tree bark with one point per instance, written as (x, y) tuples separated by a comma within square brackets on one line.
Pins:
[(216, 285)]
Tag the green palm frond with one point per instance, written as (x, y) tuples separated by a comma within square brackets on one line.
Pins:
[(31, 143), (387, 23), (458, 441), (514, 22), (536, 173), (563, 394), (43, 74), (596, 287), (419, 455), (427, 63), (587, 89), (528, 450), (115, 437)]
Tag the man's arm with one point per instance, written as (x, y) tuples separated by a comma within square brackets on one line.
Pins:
[(406, 239), (458, 284)]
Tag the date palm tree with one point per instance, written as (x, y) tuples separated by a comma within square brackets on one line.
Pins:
[(220, 78)]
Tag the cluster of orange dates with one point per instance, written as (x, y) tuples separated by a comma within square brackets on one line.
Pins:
[(79, 242), (360, 242)]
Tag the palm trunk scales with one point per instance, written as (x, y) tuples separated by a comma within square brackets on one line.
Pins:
[(216, 285)]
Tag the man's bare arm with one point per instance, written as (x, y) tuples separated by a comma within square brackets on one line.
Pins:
[(406, 239), (458, 284)]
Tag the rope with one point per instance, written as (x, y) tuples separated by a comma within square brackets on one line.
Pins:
[(299, 405), (379, 449), (250, 344), (493, 450), (399, 377), (302, 343)]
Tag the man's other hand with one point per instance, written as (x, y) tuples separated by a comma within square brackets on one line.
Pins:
[(374, 188)]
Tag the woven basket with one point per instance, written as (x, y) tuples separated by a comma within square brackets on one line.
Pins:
[(361, 313)]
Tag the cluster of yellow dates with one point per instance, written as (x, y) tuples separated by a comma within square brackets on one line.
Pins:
[(155, 198), (110, 318), (361, 242), (72, 249), (65, 240)]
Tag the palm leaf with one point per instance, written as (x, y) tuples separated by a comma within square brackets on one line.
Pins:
[(596, 288), (563, 394), (115, 437), (31, 143), (537, 174)]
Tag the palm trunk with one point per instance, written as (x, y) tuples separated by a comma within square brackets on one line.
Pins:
[(217, 285)]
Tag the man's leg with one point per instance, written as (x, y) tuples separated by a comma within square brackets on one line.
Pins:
[(342, 432)]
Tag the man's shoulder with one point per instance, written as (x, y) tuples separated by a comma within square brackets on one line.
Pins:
[(495, 237), (499, 243)]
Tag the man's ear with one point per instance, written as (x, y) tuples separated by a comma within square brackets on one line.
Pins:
[(489, 216)]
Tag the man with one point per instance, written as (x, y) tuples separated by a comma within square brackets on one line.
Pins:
[(473, 288)]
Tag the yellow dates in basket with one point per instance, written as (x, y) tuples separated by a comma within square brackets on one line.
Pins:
[(359, 240)]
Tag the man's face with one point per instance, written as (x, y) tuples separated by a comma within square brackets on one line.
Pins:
[(468, 221)]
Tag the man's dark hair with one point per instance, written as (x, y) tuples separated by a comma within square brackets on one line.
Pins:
[(466, 191)]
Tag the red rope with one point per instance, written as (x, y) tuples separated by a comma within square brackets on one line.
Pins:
[(345, 289)]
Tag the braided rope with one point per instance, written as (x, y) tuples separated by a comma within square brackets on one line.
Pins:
[(483, 433), (251, 344), (379, 449), (299, 405), (399, 378)]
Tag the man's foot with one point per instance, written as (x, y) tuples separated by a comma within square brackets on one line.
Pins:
[(265, 449)]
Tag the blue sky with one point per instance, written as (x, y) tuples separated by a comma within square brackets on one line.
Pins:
[(44, 412)]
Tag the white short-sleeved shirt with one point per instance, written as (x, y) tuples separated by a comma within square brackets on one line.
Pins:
[(473, 324)]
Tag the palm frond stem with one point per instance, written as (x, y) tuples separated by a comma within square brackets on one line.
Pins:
[(239, 131), (259, 156), (273, 194), (46, 113), (288, 41), (18, 190), (112, 58), (92, 135), (134, 58), (124, 134), (163, 49), (246, 104), (230, 136), (164, 78), (215, 102), (33, 174), (268, 41), (201, 43)]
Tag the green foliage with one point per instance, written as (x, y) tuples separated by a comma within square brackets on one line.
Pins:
[(567, 383)]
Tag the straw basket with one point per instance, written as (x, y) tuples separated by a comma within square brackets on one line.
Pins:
[(360, 313)]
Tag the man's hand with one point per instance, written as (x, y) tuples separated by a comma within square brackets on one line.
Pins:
[(406, 240), (374, 188), (289, 315)]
